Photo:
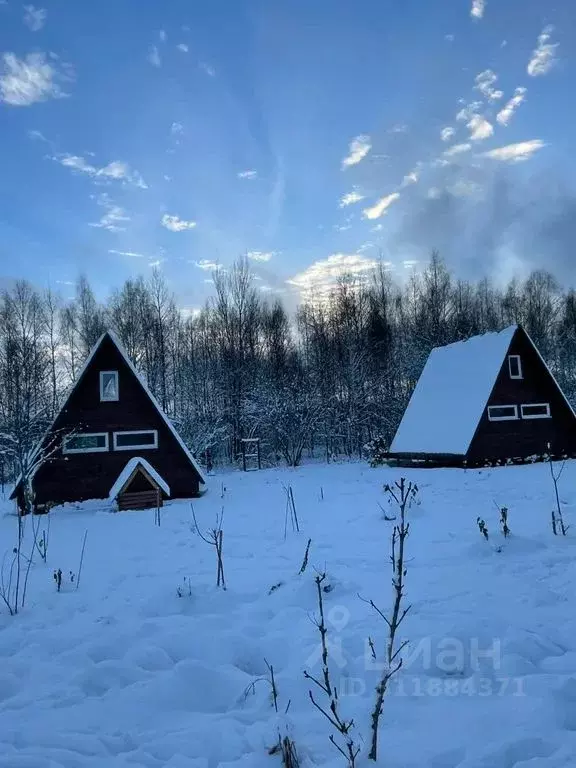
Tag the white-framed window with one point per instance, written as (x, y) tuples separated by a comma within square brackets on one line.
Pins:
[(87, 442), (137, 438), (502, 412), (109, 386), (514, 366), (535, 410)]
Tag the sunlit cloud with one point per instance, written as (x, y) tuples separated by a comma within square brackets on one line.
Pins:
[(381, 207), (350, 198), (506, 114), (480, 128), (114, 219), (514, 153), (478, 8), (322, 276), (261, 256), (117, 170), (32, 79), (544, 55), (176, 224), (485, 84), (357, 151)]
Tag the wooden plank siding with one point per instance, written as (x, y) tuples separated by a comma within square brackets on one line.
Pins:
[(140, 500), (80, 476)]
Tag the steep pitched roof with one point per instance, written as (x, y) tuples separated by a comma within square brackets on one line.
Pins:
[(451, 394), (131, 465), (167, 421), (119, 346)]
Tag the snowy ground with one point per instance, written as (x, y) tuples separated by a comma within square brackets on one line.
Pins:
[(125, 672)]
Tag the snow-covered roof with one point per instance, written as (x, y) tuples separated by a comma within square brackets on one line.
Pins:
[(451, 394), (131, 465)]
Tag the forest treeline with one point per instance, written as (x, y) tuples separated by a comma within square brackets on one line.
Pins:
[(322, 382)]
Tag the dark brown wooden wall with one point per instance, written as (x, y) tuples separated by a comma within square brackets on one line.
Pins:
[(80, 476), (525, 437)]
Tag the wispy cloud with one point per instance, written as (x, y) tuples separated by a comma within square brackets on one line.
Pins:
[(381, 207), (323, 275), (485, 84), (156, 263), (261, 256), (37, 136), (131, 254), (34, 18), (176, 129), (411, 178), (465, 188), (176, 224), (154, 56), (478, 8), (468, 111), (544, 55), (514, 153), (114, 171), (210, 71), (480, 128), (350, 198), (207, 265), (250, 174), (457, 149), (162, 35), (357, 151), (114, 218), (506, 114), (447, 133), (183, 47), (32, 79)]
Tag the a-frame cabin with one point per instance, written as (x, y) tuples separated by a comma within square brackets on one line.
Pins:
[(487, 400), (112, 440)]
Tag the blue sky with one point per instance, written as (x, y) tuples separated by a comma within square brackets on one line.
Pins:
[(314, 136)]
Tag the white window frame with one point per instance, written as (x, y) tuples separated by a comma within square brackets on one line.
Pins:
[(135, 447), (103, 449), (503, 418), (103, 398), (519, 360), (546, 415)]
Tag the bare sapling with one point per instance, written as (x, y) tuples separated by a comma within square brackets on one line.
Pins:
[(41, 541), (58, 577), (81, 558), (186, 588), (290, 511), (13, 577), (558, 525), (305, 560), (331, 710), (285, 745), (482, 527), (8, 580), (403, 494), (504, 522), (215, 538)]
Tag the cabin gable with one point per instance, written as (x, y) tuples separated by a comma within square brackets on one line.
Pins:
[(109, 418), (526, 410)]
